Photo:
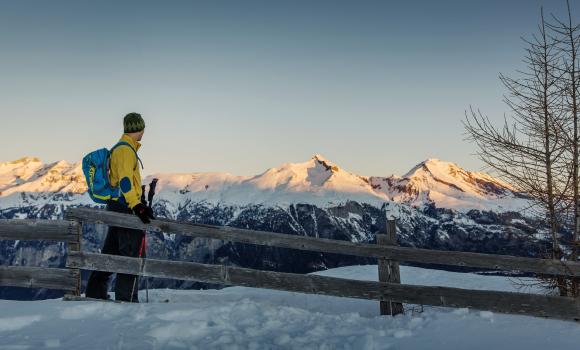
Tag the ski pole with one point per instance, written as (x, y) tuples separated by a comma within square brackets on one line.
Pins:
[(143, 195), (152, 186), (144, 244), (141, 269)]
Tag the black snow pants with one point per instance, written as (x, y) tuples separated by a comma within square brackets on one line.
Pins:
[(119, 241)]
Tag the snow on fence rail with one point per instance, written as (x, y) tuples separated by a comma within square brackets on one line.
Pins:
[(388, 290)]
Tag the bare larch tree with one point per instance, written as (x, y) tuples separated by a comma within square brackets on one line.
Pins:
[(529, 149), (566, 34)]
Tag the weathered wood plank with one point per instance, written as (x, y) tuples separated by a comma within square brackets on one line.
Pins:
[(152, 268), (76, 229), (227, 233), (502, 302), (45, 230), (389, 269), (38, 277)]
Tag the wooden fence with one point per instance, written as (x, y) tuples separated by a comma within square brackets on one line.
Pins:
[(389, 291), (42, 277)]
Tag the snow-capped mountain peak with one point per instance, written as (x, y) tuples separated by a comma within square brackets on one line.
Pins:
[(431, 171), (315, 173), (448, 185), (317, 181), (29, 174), (328, 165), (22, 167)]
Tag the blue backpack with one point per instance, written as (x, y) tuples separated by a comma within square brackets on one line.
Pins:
[(96, 167)]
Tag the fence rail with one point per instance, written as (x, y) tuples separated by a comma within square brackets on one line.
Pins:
[(427, 256), (503, 302), (42, 230), (38, 277)]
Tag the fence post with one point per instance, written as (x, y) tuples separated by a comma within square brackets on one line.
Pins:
[(389, 269), (76, 228)]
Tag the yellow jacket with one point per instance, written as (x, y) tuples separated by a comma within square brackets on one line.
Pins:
[(125, 171)]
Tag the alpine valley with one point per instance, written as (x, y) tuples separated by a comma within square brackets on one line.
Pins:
[(437, 205)]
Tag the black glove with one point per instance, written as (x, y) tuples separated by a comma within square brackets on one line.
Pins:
[(144, 213)]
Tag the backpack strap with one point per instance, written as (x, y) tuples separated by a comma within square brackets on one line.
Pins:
[(124, 143)]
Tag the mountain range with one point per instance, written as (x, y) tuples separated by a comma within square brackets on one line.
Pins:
[(437, 204), (317, 181)]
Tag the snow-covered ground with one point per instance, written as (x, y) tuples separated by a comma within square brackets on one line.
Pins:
[(247, 318)]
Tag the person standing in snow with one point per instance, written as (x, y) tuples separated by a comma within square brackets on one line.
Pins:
[(124, 172)]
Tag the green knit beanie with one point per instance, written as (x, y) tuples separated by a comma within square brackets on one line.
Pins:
[(133, 122)]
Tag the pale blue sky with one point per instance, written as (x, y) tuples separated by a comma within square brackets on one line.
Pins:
[(240, 86)]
